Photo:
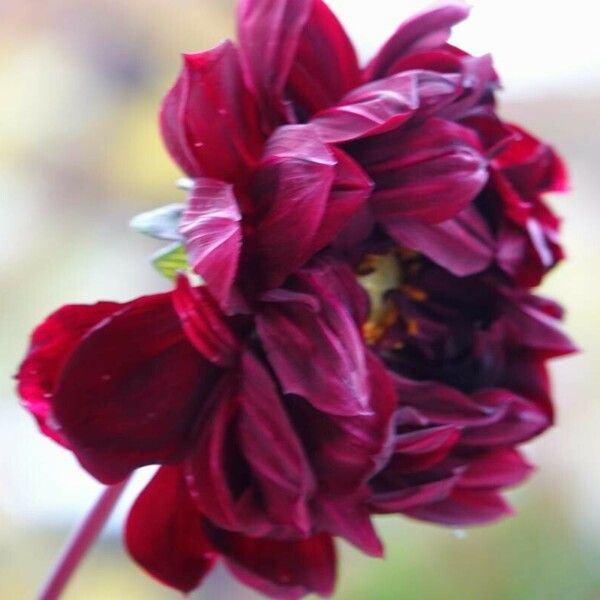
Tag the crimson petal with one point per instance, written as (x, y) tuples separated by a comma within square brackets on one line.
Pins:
[(464, 244), (421, 449), (211, 229), (335, 379), (273, 450), (535, 324), (294, 181), (372, 108), (385, 104), (464, 507), (52, 343), (429, 403), (531, 165), (213, 456), (498, 468), (346, 451), (269, 33), (165, 534), (130, 392), (349, 517), (173, 130), (516, 419), (406, 497), (351, 188), (248, 471), (280, 569), (204, 324), (527, 375), (424, 441), (209, 119), (325, 66), (479, 80), (430, 172), (425, 31)]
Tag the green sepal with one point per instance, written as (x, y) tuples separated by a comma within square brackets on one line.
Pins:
[(171, 259)]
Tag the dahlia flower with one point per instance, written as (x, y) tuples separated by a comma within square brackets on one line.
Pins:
[(351, 329)]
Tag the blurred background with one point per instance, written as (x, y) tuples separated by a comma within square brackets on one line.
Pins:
[(80, 84)]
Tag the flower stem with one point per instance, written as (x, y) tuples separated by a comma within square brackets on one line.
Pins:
[(81, 540)]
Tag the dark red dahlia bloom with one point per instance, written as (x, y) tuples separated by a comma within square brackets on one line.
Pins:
[(283, 405), (263, 449)]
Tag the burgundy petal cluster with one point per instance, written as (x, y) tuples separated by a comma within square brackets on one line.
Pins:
[(353, 332)]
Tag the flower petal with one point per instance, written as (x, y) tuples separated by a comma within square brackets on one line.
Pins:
[(531, 165), (535, 325), (248, 472), (269, 33), (528, 376), (173, 129), (214, 455), (464, 507), (464, 244), (335, 379), (429, 403), (204, 324), (273, 450), (479, 82), (390, 499), (325, 66), (294, 181), (350, 190), (278, 568), (499, 468), (349, 517), (344, 453), (209, 119), (422, 448), (517, 419), (385, 104), (372, 108), (130, 392), (165, 534), (211, 229), (430, 172), (425, 31), (52, 343), (475, 76), (347, 451)]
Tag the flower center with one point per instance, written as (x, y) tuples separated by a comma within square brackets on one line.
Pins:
[(378, 275)]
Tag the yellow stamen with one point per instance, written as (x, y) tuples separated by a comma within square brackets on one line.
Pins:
[(374, 329), (414, 293), (412, 327), (380, 274)]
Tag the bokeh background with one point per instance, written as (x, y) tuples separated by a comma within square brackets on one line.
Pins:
[(80, 83)]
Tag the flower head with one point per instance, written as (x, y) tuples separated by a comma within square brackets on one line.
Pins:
[(351, 330)]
